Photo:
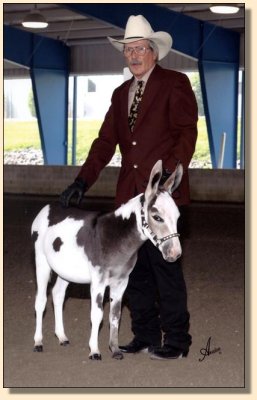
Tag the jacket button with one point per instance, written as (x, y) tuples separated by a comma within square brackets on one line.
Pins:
[(134, 143), (135, 166)]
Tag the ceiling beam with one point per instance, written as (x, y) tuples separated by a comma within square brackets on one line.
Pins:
[(192, 37), (34, 51), (52, 15), (83, 34)]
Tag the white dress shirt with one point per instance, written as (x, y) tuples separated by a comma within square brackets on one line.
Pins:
[(133, 87)]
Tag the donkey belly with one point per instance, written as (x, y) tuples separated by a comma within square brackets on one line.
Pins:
[(63, 254), (70, 266)]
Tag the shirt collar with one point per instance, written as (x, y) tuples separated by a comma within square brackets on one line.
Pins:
[(145, 77)]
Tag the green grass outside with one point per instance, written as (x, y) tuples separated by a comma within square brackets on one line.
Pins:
[(87, 131), (20, 135)]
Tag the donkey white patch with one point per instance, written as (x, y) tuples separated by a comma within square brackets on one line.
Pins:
[(64, 255)]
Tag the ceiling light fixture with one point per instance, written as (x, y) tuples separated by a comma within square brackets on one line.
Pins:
[(224, 9), (34, 20)]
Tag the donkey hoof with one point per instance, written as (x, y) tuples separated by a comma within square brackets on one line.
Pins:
[(117, 355), (95, 356), (65, 343), (38, 349)]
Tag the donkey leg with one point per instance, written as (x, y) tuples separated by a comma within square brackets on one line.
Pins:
[(58, 294), (97, 295), (42, 274), (116, 293)]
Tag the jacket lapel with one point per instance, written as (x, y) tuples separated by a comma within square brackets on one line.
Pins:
[(151, 90), (124, 105)]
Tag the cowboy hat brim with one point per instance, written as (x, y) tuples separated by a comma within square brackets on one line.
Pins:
[(162, 39)]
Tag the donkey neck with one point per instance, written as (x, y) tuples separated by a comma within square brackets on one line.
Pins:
[(119, 233), (129, 215)]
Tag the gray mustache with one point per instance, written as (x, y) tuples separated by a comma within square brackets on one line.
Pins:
[(135, 62)]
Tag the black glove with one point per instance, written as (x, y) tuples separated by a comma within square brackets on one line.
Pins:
[(77, 188)]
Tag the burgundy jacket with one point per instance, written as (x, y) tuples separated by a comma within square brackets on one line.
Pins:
[(166, 129)]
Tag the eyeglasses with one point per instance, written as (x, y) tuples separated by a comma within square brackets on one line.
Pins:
[(139, 50)]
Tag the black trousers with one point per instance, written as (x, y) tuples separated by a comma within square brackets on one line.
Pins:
[(157, 299)]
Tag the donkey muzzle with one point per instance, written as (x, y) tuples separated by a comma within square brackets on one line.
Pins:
[(171, 251)]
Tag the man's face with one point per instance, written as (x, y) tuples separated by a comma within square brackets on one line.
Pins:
[(139, 64)]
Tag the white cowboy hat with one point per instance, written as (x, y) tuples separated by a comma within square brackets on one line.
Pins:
[(138, 28)]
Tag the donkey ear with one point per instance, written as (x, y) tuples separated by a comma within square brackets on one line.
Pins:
[(174, 180), (154, 180)]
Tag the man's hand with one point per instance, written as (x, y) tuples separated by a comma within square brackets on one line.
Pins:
[(76, 189)]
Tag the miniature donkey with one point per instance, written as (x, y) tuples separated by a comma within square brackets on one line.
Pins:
[(86, 247)]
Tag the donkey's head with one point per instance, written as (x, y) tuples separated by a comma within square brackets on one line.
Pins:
[(160, 214)]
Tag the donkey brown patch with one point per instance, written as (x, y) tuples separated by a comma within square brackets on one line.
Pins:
[(34, 236), (57, 244)]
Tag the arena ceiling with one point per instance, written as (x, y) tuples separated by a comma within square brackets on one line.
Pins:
[(76, 29)]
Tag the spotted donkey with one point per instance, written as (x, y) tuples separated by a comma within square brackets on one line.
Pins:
[(86, 247)]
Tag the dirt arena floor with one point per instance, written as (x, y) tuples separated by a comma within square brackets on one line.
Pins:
[(214, 269)]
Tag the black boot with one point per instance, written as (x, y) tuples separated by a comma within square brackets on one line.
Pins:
[(137, 346), (168, 352)]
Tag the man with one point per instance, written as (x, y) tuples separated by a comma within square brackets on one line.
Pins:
[(150, 120)]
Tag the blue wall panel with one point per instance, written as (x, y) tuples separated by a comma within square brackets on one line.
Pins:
[(219, 83), (220, 44), (34, 51), (48, 61), (50, 88)]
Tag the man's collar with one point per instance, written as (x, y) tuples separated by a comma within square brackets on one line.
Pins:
[(145, 77)]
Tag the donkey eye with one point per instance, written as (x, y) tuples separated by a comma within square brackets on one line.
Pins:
[(158, 218)]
